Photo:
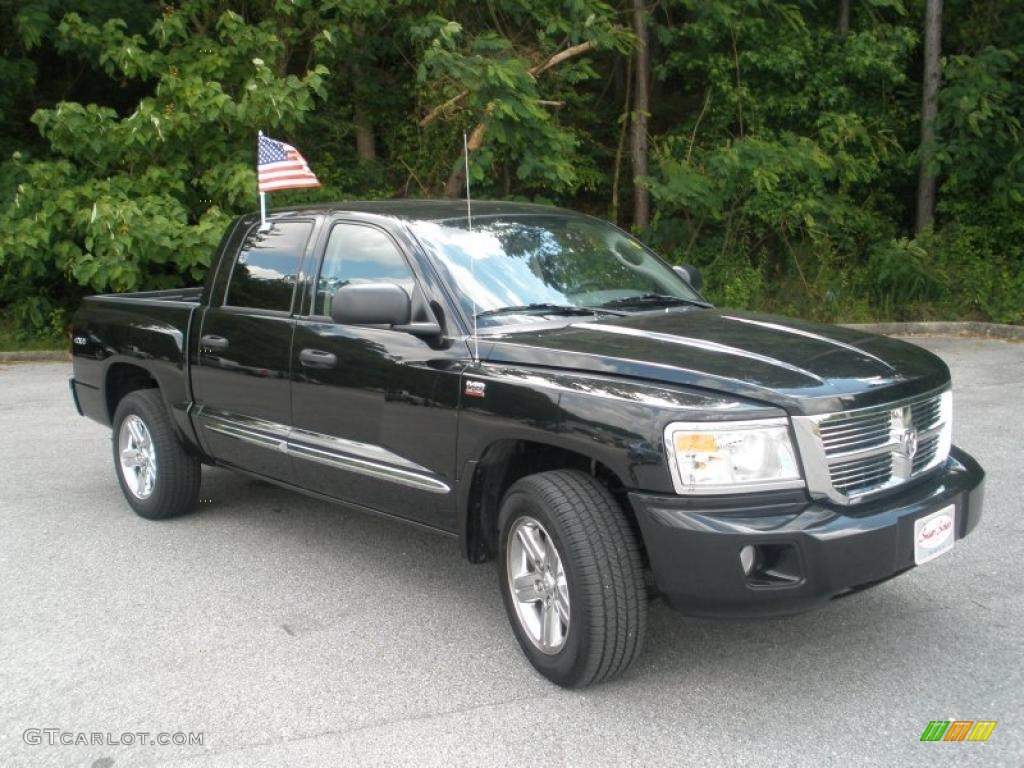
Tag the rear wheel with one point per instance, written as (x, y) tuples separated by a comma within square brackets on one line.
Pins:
[(571, 577), (158, 477)]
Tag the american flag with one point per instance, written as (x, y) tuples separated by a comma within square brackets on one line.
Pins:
[(280, 166)]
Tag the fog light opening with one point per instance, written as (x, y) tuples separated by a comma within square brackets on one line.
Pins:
[(748, 559), (771, 565)]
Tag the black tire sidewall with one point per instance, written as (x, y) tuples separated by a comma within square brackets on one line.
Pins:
[(564, 667), (159, 504)]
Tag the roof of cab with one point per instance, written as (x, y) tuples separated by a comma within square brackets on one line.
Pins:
[(422, 210)]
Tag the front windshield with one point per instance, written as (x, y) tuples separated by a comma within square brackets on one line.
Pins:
[(539, 260)]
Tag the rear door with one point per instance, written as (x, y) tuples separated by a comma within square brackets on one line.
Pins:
[(241, 382), (374, 409)]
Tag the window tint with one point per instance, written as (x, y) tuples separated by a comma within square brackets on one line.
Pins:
[(357, 254), (267, 267)]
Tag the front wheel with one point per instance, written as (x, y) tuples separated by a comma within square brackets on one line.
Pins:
[(571, 577), (158, 477)]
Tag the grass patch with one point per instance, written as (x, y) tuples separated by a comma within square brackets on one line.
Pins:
[(15, 339)]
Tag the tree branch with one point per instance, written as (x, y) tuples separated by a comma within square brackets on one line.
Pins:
[(553, 61), (558, 58)]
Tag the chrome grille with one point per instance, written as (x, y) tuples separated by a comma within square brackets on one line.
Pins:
[(852, 433), (854, 454), (925, 453), (850, 477)]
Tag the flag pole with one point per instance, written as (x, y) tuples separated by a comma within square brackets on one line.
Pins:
[(263, 195)]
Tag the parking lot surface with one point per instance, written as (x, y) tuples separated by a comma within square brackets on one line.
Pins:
[(290, 632)]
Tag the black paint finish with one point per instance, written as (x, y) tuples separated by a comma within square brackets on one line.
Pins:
[(296, 385), (249, 378), (388, 390), (694, 548), (802, 367)]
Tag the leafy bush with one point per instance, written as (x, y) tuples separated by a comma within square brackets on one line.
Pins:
[(783, 154)]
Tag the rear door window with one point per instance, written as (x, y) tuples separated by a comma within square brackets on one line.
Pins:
[(267, 267)]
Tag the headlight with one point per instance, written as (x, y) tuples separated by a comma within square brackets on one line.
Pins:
[(731, 456)]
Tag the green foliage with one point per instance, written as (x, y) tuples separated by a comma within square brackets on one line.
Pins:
[(783, 155), (121, 203)]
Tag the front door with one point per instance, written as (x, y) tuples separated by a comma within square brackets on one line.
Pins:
[(241, 383), (374, 410)]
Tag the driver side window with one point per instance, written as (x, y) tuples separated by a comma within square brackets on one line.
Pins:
[(358, 254)]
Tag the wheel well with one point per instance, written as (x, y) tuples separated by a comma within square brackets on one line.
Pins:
[(506, 461), (122, 379)]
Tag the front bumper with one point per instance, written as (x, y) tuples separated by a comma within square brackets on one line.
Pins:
[(810, 552)]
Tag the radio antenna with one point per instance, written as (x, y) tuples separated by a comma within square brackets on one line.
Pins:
[(472, 258)]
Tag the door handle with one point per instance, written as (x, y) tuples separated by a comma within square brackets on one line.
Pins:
[(211, 343), (317, 358)]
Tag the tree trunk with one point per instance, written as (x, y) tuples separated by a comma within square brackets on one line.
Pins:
[(641, 108), (929, 112), (457, 178), (843, 18), (366, 146), (617, 168)]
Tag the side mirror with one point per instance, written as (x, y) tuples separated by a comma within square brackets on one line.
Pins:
[(691, 275), (371, 304), (379, 304)]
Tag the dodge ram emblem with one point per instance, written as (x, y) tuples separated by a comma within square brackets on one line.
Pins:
[(906, 432), (908, 442)]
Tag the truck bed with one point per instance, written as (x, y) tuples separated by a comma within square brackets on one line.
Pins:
[(149, 330)]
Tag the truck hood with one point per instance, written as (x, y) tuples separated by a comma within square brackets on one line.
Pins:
[(805, 368)]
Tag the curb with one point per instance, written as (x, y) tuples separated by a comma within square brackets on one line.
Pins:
[(966, 328), (36, 356)]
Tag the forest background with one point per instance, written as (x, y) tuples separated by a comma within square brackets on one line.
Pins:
[(841, 160)]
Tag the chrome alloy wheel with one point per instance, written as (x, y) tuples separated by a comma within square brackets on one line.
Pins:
[(138, 457), (537, 583)]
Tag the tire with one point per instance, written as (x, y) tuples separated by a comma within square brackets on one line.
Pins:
[(144, 436), (601, 574)]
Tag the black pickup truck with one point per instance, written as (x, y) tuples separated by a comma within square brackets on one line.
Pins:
[(542, 386)]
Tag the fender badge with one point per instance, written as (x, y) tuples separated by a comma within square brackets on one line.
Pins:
[(475, 389)]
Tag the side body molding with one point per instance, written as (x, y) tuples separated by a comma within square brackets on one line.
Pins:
[(348, 455)]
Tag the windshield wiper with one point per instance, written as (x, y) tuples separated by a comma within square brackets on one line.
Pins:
[(539, 307), (653, 299)]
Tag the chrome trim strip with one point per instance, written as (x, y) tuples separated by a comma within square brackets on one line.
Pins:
[(707, 346), (374, 461), (224, 427), (342, 446), (369, 468)]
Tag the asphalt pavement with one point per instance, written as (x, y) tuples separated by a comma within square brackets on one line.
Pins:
[(290, 632)]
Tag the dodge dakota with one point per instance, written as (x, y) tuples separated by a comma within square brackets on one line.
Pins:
[(542, 386)]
